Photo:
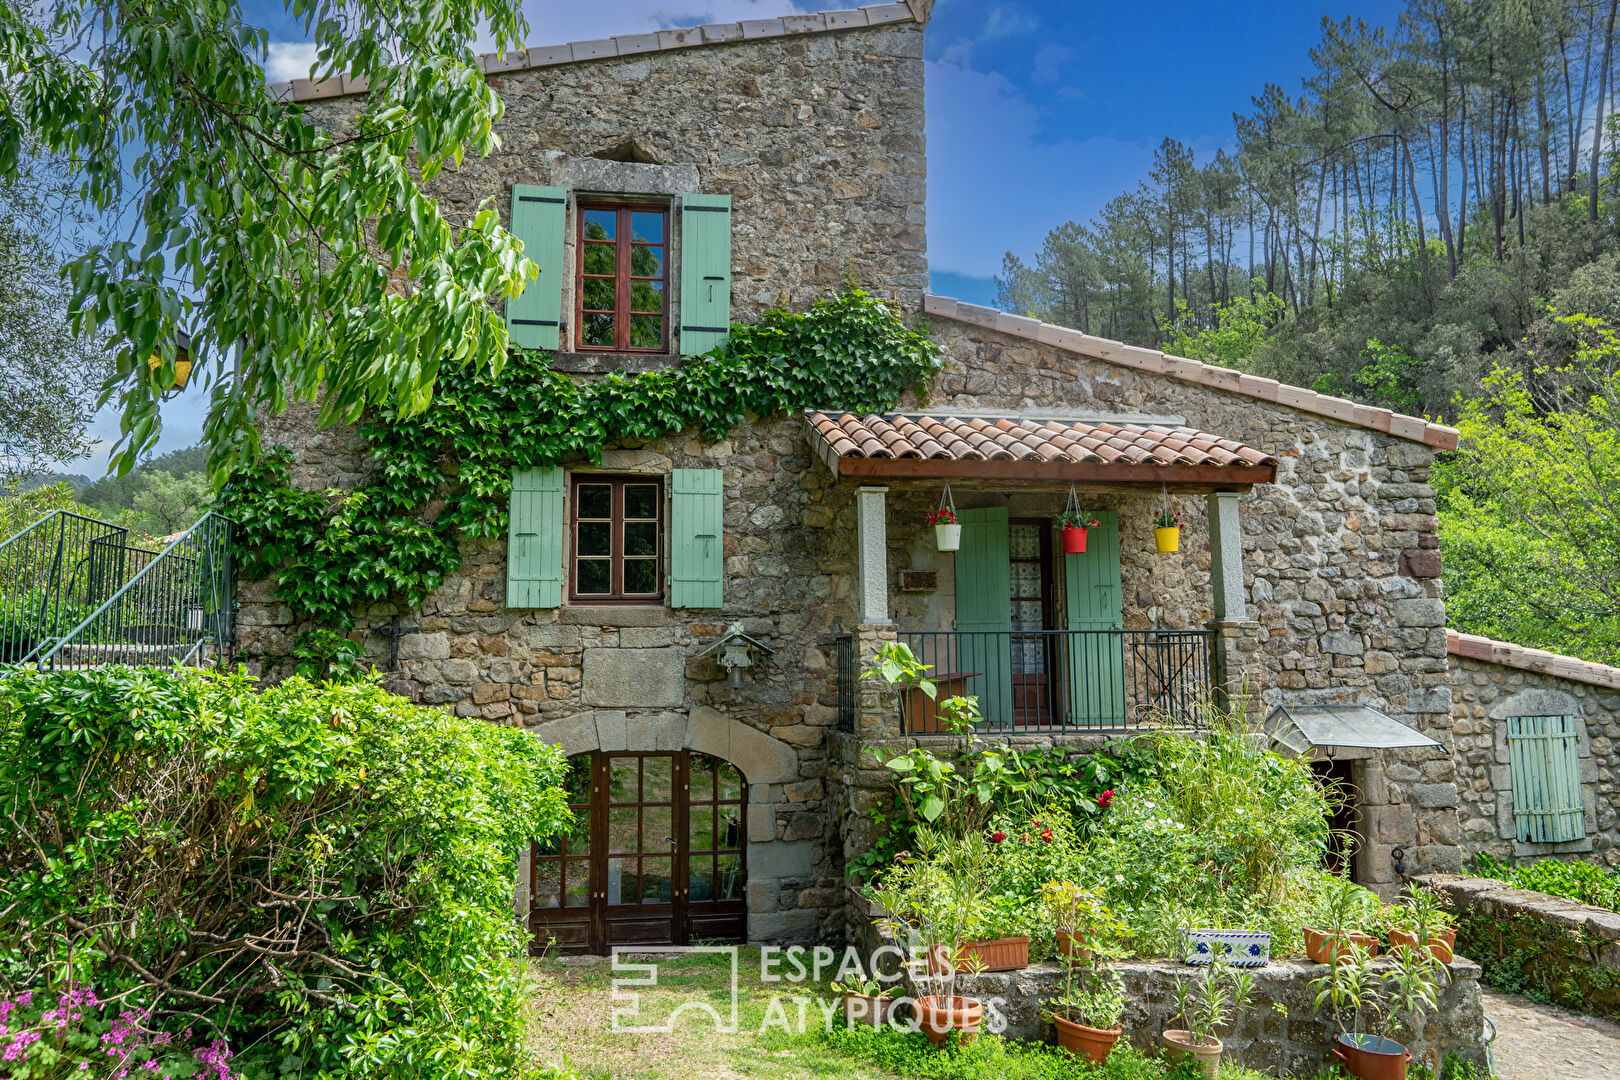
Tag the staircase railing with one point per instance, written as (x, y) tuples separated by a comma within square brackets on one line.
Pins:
[(77, 594)]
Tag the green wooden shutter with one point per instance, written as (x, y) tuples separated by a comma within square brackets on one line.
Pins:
[(1093, 602), (984, 614), (534, 539), (1545, 771), (538, 219), (705, 272), (697, 538)]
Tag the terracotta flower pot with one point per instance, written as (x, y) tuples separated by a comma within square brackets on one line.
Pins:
[(1178, 1044), (1074, 540), (1002, 954), (1072, 947), (867, 1010), (1442, 945), (938, 1015), (1167, 539), (937, 959), (1094, 1044), (1370, 1058), (1323, 947), (948, 537)]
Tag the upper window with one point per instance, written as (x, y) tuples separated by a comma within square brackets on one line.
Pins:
[(618, 538), (623, 270)]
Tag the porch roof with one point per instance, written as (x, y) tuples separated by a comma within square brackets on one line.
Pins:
[(1015, 447)]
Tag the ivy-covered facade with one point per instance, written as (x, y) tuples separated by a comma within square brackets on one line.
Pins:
[(668, 533)]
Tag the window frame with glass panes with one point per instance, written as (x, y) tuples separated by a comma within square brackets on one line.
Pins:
[(612, 302), (627, 540)]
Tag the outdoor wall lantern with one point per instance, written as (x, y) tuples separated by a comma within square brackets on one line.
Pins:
[(182, 361), (735, 651)]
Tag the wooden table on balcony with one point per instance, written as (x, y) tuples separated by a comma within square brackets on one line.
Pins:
[(921, 712)]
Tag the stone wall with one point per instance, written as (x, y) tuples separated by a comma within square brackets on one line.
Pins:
[(1282, 1033), (1341, 566), (1528, 942), (1485, 692)]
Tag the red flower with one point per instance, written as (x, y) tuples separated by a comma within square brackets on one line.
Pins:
[(1106, 799), (1025, 838), (1046, 835), (997, 837)]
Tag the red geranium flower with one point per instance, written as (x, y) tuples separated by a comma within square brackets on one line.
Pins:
[(1046, 835), (997, 837), (1106, 799)]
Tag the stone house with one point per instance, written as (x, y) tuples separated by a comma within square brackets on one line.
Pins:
[(671, 184)]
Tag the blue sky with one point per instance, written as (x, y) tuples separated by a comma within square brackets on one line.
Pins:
[(1038, 112)]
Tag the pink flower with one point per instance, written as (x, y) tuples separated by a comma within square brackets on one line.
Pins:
[(19, 1043)]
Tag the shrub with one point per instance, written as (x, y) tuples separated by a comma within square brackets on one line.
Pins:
[(321, 876), (989, 1057), (1582, 882)]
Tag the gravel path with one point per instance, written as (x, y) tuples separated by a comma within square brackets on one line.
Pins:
[(1541, 1042)]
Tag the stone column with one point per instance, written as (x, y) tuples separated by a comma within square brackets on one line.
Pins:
[(1236, 635), (872, 526)]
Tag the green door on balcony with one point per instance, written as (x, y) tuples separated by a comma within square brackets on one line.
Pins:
[(984, 614), (1093, 601)]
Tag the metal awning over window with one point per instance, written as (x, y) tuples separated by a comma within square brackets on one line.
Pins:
[(1301, 727)]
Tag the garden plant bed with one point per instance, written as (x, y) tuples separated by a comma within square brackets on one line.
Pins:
[(1546, 947), (1282, 1033)]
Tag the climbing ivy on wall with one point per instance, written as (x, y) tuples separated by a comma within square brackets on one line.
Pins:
[(445, 472)]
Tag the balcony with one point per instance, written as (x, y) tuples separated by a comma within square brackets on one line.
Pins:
[(1053, 681)]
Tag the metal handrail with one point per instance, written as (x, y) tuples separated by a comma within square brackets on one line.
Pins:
[(35, 593), (167, 585)]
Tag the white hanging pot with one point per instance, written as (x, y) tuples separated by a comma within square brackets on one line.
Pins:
[(948, 537)]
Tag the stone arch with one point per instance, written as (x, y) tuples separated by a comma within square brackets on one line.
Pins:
[(760, 758)]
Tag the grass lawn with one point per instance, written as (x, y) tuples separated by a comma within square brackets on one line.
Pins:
[(573, 1027)]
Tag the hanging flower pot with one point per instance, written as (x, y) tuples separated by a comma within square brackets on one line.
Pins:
[(1167, 530), (947, 530), (1075, 522)]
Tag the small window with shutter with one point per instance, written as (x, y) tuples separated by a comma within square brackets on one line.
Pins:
[(1544, 770), (618, 539)]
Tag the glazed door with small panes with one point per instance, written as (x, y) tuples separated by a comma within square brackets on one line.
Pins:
[(1029, 553), (656, 855)]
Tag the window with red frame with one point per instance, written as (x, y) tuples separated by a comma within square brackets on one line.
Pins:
[(622, 297)]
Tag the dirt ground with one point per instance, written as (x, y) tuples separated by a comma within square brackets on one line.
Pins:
[(1541, 1042)]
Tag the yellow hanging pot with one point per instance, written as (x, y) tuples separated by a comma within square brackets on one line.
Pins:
[(1168, 540)]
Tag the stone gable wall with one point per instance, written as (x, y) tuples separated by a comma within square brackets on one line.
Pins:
[(1484, 695)]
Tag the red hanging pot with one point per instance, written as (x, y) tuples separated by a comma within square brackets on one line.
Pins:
[(1074, 540)]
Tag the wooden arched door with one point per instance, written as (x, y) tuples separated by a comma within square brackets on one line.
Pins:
[(657, 855)]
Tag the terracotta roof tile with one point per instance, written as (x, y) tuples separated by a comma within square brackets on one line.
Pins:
[(1014, 438)]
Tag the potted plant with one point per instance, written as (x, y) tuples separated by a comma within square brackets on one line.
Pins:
[(1366, 1002), (1210, 1001), (947, 530), (1167, 531), (1420, 921), (993, 928), (1087, 1016), (1344, 906), (1075, 522), (866, 1002), (1079, 916)]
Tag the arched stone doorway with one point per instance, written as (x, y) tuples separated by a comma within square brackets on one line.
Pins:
[(673, 815), (657, 854)]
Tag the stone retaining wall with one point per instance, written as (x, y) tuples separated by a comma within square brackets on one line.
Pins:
[(1546, 946), (1281, 1033)]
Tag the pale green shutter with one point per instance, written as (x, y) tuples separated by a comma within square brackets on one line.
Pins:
[(1545, 771), (538, 219), (984, 615), (705, 272), (1095, 657), (534, 539), (697, 540)]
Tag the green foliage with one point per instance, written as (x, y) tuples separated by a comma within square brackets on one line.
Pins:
[(320, 875), (989, 1057), (1388, 379), (1524, 954), (312, 247), (1234, 333), (329, 551), (1529, 528), (324, 655), (1572, 879)]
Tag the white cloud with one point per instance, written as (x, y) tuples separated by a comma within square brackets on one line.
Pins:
[(1008, 21), (289, 60)]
